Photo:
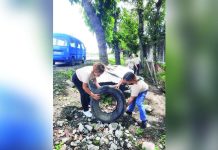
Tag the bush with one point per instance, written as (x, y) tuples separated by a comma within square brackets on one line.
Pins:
[(161, 77)]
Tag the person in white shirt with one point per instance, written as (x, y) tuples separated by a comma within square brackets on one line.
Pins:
[(81, 79), (130, 62), (138, 90), (137, 62)]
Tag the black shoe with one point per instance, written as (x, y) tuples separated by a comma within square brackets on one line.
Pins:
[(129, 113), (144, 124)]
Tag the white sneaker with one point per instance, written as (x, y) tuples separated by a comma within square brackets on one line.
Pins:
[(148, 125), (87, 113)]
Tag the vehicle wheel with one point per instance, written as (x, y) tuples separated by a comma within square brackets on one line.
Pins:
[(83, 61), (72, 62), (118, 104)]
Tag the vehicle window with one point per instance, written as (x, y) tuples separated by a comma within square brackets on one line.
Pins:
[(79, 46), (59, 42), (73, 44), (82, 46)]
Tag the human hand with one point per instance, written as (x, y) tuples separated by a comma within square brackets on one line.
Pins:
[(95, 96), (129, 102), (117, 86)]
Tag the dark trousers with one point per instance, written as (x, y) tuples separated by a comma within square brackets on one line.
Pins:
[(84, 97), (136, 71)]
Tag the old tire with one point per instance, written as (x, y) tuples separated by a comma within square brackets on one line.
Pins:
[(116, 113)]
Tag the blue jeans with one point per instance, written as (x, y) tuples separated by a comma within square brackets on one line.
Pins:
[(139, 102)]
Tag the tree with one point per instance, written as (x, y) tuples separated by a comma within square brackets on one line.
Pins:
[(155, 31), (109, 15), (116, 41), (128, 31), (140, 11), (154, 15), (97, 27)]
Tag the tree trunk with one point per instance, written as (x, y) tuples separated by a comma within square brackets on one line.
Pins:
[(116, 44), (156, 48), (161, 54), (155, 52), (163, 51), (98, 29), (117, 53), (141, 30)]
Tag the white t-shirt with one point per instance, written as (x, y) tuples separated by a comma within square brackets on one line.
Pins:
[(137, 60), (84, 73), (130, 63), (140, 86)]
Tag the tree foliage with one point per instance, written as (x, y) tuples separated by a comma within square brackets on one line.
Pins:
[(95, 23), (105, 10), (128, 31), (155, 23)]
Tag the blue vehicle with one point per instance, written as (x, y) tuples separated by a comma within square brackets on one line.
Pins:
[(68, 49)]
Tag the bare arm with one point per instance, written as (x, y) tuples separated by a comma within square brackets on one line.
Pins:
[(87, 90), (130, 100), (118, 84), (97, 84)]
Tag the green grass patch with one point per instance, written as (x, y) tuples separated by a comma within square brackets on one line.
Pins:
[(59, 81), (107, 103), (113, 62), (106, 100), (139, 132), (58, 146), (96, 142), (156, 147), (138, 146), (162, 140)]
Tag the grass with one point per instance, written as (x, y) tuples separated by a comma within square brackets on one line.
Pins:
[(156, 147), (112, 61), (138, 146), (106, 100), (107, 103), (162, 140), (59, 81), (139, 132), (96, 142), (58, 146)]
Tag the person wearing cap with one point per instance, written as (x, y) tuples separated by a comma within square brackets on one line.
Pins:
[(138, 90), (81, 79)]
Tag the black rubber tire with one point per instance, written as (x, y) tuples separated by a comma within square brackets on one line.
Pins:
[(72, 62), (83, 60), (119, 110)]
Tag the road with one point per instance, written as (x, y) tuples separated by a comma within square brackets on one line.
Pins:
[(62, 66)]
